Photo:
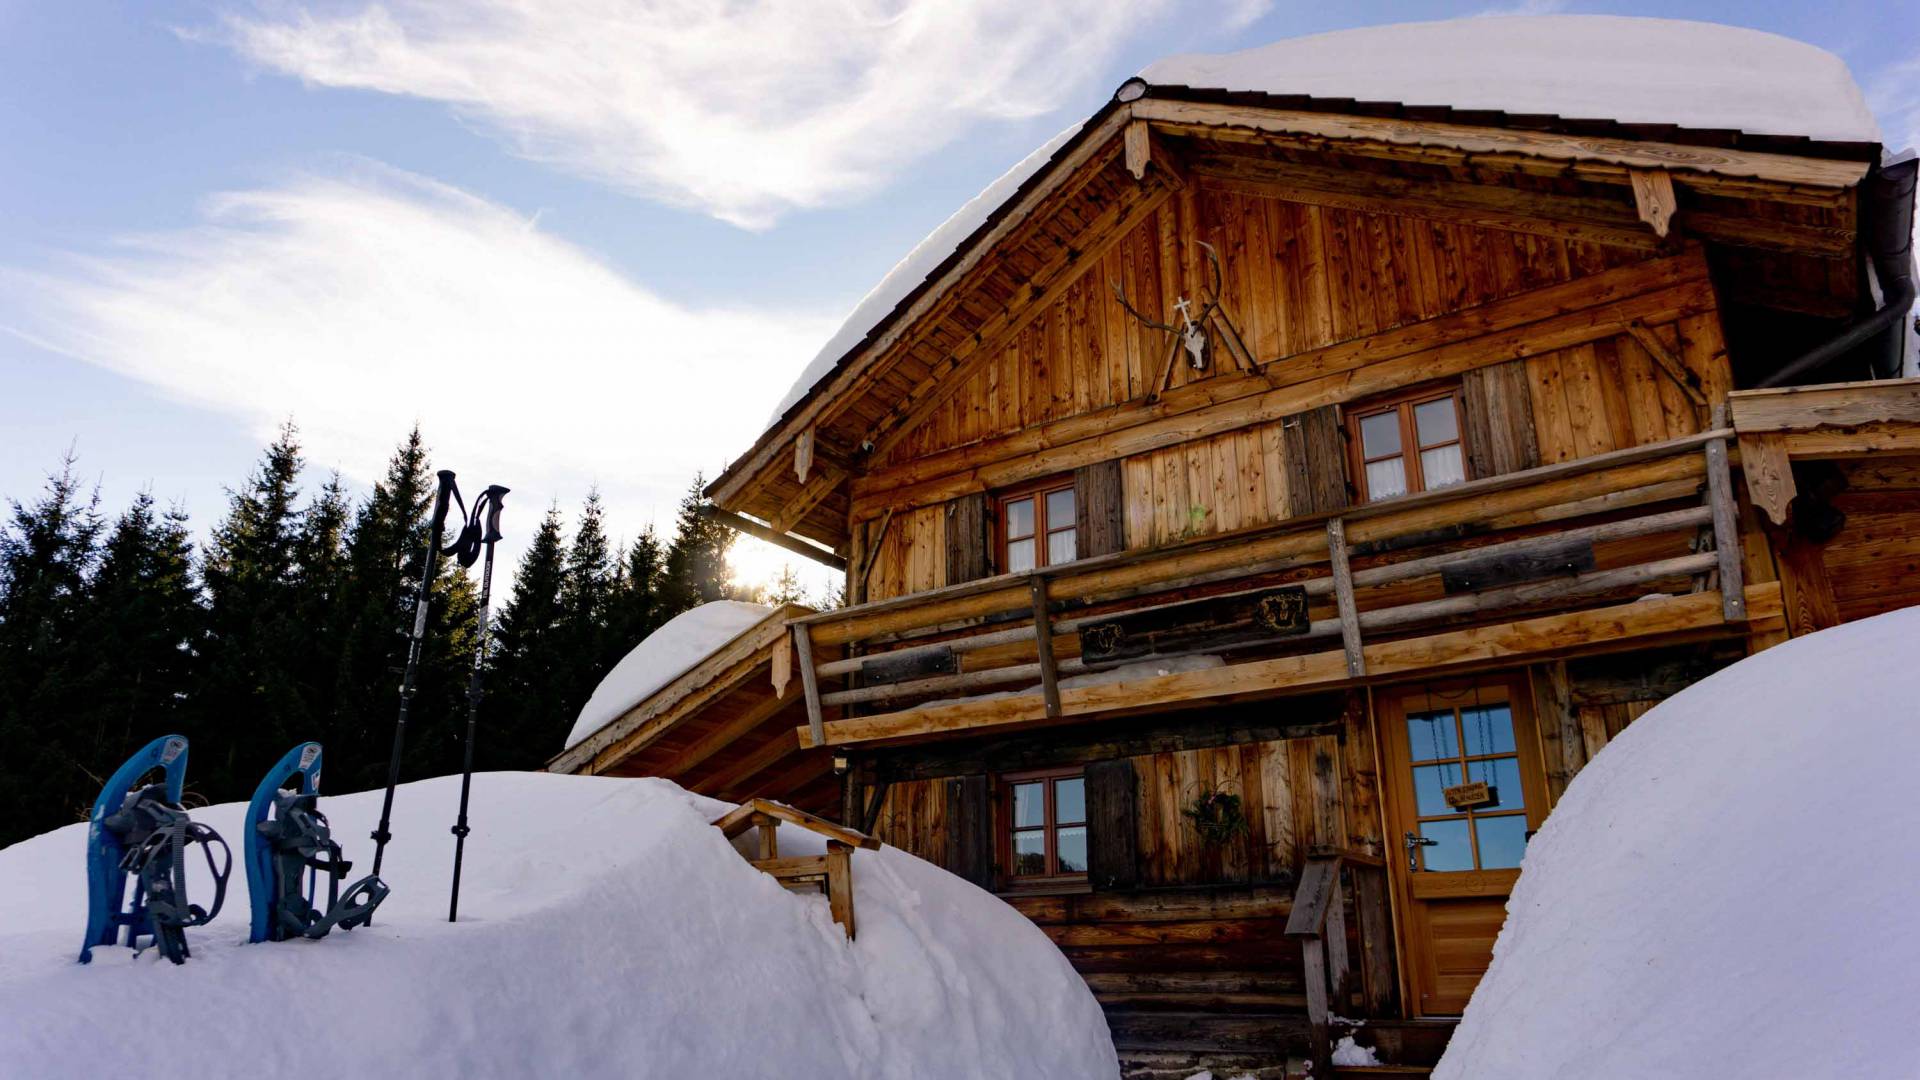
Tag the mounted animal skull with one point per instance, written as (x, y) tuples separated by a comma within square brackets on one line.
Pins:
[(1191, 334)]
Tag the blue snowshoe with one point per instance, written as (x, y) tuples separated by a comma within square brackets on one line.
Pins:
[(145, 832), (287, 853)]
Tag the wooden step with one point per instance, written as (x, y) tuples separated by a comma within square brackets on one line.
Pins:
[(1274, 1035), (1381, 1070), (1407, 1042)]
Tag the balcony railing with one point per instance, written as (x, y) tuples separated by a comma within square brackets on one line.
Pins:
[(1658, 517)]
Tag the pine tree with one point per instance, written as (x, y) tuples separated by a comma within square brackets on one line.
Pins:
[(319, 578), (249, 703), (787, 588), (635, 609), (47, 550), (140, 638), (586, 596), (696, 567), (524, 724)]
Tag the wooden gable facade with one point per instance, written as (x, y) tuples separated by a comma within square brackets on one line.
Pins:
[(1247, 681)]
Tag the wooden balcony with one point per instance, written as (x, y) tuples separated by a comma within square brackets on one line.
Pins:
[(1613, 551)]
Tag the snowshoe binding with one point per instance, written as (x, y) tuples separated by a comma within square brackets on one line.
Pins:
[(287, 852), (145, 832)]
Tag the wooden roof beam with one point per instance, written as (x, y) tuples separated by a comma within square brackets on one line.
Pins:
[(1590, 157)]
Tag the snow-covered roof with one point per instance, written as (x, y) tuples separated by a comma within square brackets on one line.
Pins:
[(665, 655), (606, 930), (1593, 67), (1631, 70), (909, 272), (1720, 892)]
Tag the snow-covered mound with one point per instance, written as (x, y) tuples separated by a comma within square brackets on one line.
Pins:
[(1729, 888), (605, 930), (662, 657), (1579, 67)]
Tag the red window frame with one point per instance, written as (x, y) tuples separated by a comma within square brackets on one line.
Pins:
[(1043, 529), (1403, 404), (1049, 828)]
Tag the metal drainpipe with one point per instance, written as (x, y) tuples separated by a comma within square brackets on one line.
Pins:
[(1887, 195)]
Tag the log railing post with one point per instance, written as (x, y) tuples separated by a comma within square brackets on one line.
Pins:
[(809, 681), (1343, 598), (1726, 529), (1043, 642)]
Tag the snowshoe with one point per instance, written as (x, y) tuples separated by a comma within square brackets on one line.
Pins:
[(287, 853), (145, 832)]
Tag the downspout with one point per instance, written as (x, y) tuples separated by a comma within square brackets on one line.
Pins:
[(1886, 198)]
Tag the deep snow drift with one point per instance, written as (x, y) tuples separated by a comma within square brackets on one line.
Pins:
[(661, 657), (1729, 888), (606, 930)]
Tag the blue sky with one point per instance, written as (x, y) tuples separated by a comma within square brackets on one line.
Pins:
[(579, 251)]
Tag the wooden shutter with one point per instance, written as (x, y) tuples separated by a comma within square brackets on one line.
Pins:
[(970, 829), (1112, 800), (1316, 454), (967, 538), (1099, 508), (1499, 414)]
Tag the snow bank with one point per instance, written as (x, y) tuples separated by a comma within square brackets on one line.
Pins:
[(1728, 889), (909, 272), (665, 655), (1608, 67), (606, 930)]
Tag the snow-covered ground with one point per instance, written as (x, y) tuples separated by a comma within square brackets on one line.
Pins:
[(1730, 888), (606, 930)]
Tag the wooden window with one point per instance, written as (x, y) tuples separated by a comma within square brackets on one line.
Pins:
[(1406, 443), (1046, 827), (1036, 526)]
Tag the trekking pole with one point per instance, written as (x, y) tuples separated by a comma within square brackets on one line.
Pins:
[(417, 641), (489, 502)]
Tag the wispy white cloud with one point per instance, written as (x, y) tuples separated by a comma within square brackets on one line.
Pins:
[(745, 110), (360, 303)]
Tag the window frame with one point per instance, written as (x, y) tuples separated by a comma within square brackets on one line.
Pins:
[(1037, 490), (1049, 829), (1403, 403)]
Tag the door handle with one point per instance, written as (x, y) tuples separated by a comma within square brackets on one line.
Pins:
[(1413, 844)]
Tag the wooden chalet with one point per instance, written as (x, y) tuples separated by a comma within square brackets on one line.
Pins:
[(1259, 518)]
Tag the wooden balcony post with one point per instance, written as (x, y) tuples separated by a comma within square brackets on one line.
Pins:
[(1043, 642), (1343, 598), (1726, 530), (809, 681)]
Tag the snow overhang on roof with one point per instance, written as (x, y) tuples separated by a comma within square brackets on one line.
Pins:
[(1537, 72), (662, 657)]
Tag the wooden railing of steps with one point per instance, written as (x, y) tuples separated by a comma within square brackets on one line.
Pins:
[(1319, 922), (887, 642)]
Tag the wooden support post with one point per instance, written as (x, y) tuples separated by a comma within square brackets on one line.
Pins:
[(871, 815), (840, 885), (1653, 198), (1339, 971), (1313, 957), (1043, 644), (769, 837), (1343, 598), (1139, 148), (1669, 364), (1769, 472), (1726, 530), (809, 680)]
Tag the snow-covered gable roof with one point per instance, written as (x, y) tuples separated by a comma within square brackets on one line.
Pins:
[(664, 655), (1694, 75), (1596, 67)]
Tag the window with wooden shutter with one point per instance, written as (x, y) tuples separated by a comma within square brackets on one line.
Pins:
[(1037, 525), (1316, 460), (1407, 442), (1045, 827)]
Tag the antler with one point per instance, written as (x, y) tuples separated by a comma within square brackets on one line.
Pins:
[(1121, 296), (1213, 259)]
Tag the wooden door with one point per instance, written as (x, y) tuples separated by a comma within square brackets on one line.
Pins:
[(1456, 848)]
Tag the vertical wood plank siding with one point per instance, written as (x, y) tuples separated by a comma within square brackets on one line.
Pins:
[(967, 537)]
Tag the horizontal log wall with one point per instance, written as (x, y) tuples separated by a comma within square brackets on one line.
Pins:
[(1874, 561)]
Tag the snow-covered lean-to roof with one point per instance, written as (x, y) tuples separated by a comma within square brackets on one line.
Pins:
[(1693, 75), (664, 655), (1727, 889)]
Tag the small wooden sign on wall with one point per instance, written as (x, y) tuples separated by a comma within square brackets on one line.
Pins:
[(1470, 796)]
